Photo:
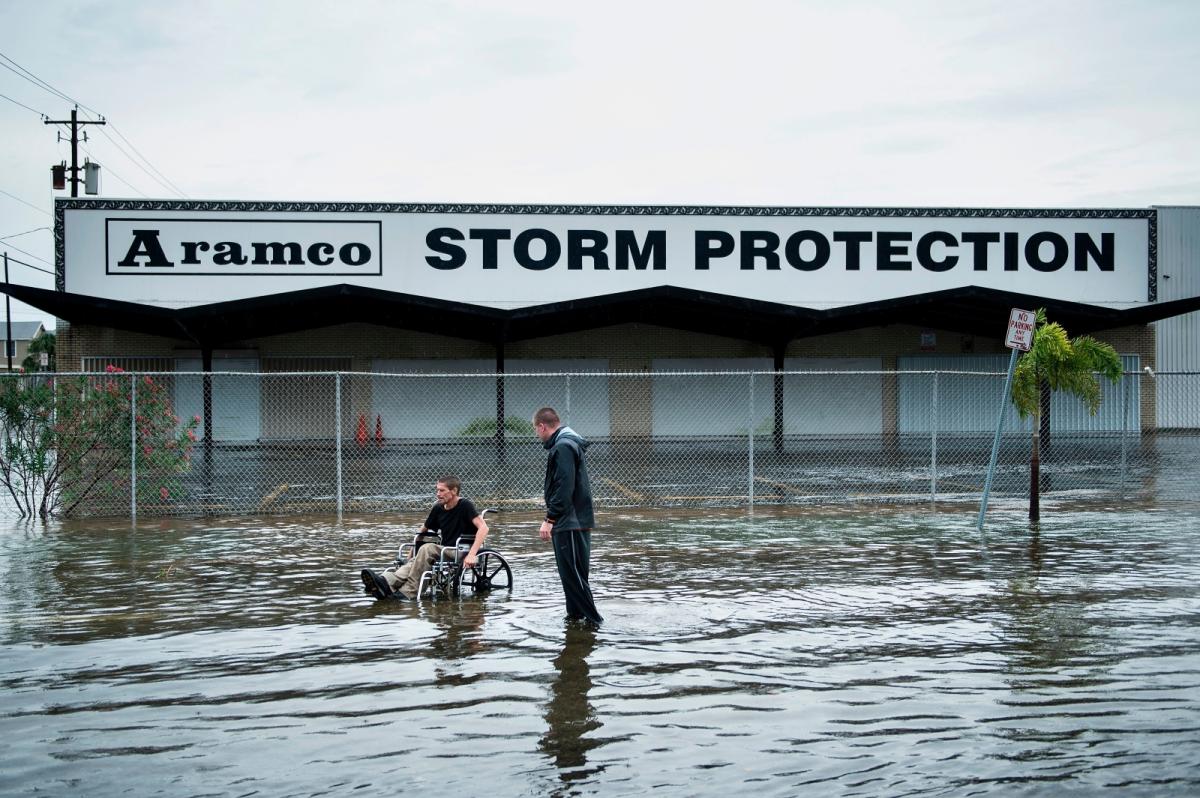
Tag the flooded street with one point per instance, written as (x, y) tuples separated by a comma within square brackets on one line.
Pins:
[(867, 653)]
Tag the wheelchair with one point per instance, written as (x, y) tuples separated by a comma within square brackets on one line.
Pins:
[(447, 577)]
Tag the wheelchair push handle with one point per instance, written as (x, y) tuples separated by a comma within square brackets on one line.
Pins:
[(407, 550)]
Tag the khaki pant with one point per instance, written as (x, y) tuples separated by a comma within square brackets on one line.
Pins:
[(407, 578)]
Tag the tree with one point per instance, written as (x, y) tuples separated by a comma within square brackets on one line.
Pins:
[(1058, 363), (65, 443), (43, 343)]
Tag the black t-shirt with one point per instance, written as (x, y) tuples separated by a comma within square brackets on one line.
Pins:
[(454, 524)]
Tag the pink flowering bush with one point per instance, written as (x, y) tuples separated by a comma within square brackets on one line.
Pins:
[(67, 443)]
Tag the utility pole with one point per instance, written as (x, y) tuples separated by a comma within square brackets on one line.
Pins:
[(75, 122), (8, 341)]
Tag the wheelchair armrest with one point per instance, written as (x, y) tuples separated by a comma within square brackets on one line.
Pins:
[(407, 550), (458, 552)]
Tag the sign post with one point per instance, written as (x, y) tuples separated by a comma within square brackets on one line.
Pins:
[(1021, 326)]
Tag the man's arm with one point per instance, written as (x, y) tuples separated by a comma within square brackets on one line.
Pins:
[(562, 488), (481, 532)]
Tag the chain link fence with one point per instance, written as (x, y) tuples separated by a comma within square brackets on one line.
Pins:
[(348, 443)]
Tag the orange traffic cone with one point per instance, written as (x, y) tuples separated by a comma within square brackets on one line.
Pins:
[(378, 431), (360, 434)]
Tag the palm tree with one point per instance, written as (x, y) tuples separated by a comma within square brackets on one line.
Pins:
[(1058, 363)]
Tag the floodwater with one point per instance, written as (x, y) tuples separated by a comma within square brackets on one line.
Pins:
[(876, 653)]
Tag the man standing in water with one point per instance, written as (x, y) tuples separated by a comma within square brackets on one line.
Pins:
[(569, 517)]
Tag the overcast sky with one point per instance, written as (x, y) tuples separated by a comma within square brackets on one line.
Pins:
[(1010, 104)]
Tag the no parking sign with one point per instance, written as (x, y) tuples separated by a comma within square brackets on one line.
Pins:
[(1021, 324)]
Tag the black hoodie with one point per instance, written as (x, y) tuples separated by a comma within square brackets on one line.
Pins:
[(567, 488)]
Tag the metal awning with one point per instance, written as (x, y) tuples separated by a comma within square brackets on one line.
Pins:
[(973, 311)]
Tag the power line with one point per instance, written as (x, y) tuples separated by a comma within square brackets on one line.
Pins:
[(29, 254), (23, 202), (18, 235), (46, 87), (20, 75), (11, 259), (144, 158), (23, 105), (34, 79), (131, 159), (112, 172)]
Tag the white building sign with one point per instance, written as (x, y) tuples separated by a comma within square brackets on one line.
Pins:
[(182, 254)]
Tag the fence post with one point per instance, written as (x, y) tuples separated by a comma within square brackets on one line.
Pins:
[(132, 448), (750, 482), (1124, 430), (206, 393), (337, 446), (933, 442), (568, 409)]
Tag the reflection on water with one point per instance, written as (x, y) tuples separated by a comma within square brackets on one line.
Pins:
[(794, 653), (569, 715)]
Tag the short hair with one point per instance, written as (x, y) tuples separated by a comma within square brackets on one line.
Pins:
[(547, 416), (452, 482)]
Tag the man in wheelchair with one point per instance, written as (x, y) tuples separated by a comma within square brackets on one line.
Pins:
[(455, 518)]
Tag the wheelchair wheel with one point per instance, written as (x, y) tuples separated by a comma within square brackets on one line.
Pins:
[(490, 572)]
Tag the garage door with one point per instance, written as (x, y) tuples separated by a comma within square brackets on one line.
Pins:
[(235, 397)]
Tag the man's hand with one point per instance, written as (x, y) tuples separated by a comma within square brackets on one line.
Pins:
[(470, 560), (545, 529)]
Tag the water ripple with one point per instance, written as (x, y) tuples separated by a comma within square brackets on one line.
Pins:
[(885, 654)]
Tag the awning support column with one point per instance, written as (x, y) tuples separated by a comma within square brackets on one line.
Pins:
[(780, 350), (501, 453), (206, 365)]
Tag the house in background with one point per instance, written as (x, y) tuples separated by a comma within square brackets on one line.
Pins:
[(23, 334)]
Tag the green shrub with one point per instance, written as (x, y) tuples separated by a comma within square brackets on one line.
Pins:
[(485, 427), (66, 442)]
